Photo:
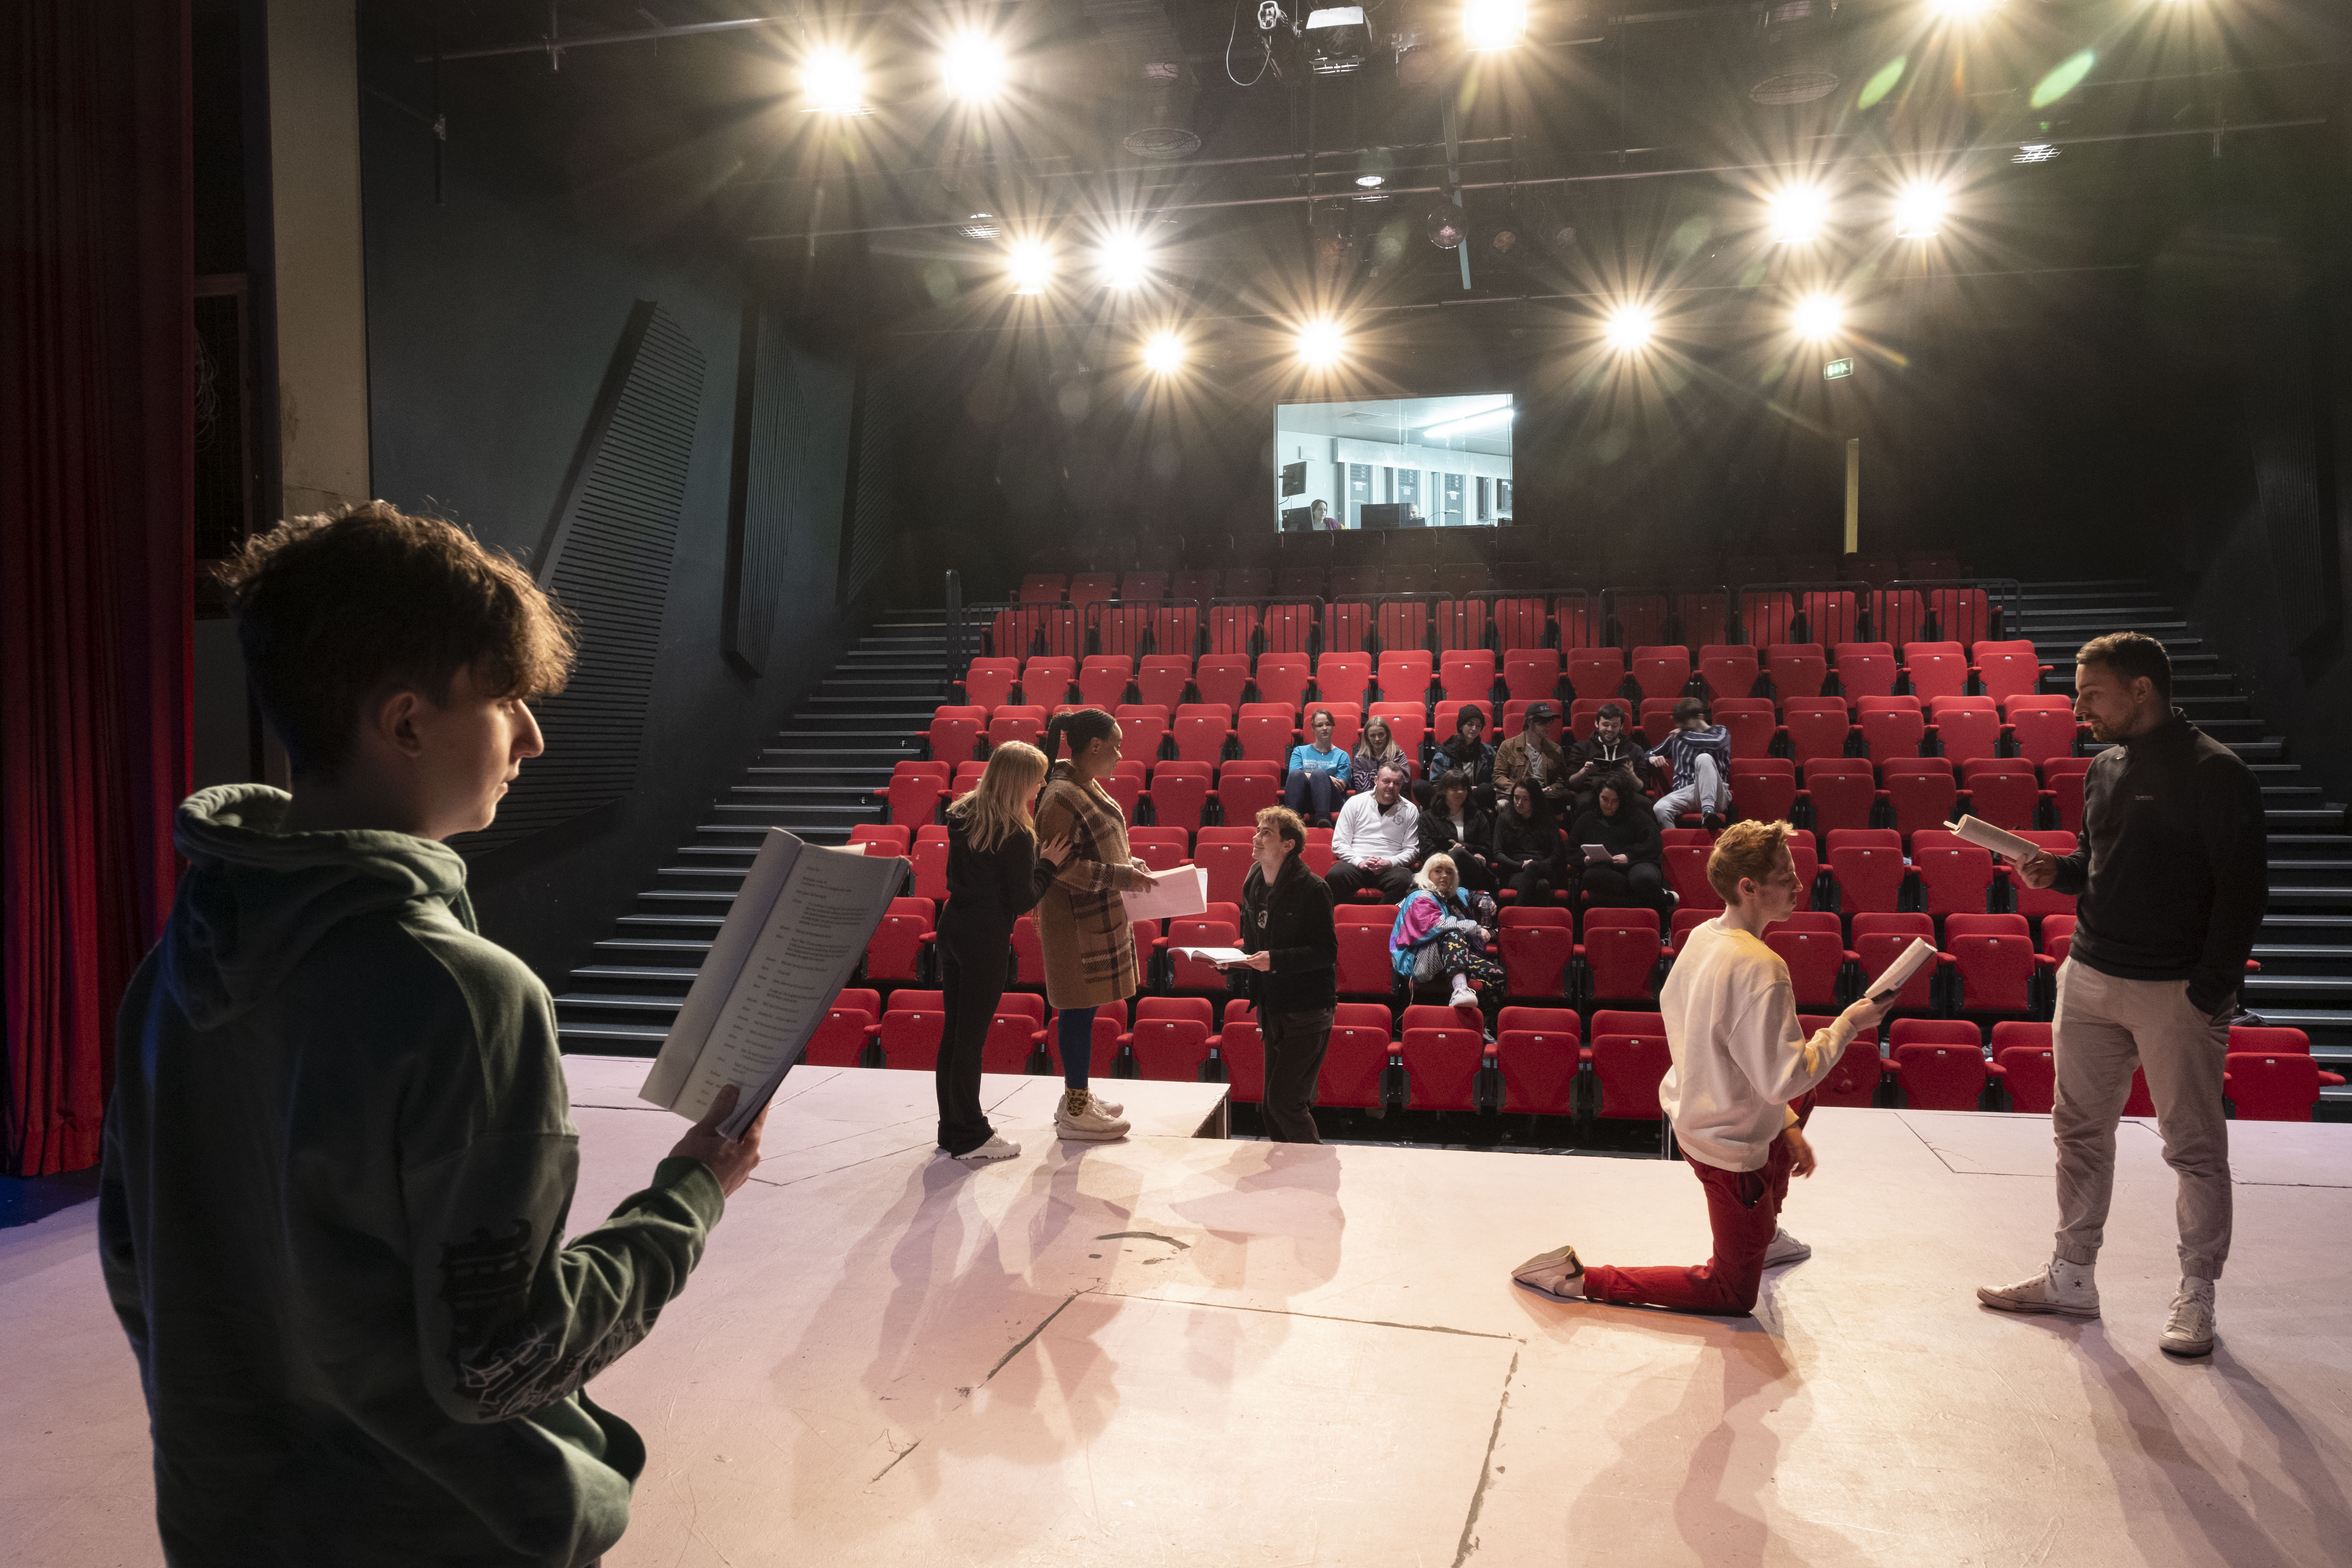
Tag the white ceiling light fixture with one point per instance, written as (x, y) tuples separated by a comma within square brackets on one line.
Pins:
[(1124, 260), (2034, 152), (972, 67), (1817, 316), (1799, 214), (1493, 24), (1030, 266), (1163, 354), (1320, 344), (833, 83), (1919, 212), (1629, 328)]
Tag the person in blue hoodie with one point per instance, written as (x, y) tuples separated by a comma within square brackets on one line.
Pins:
[(339, 1158), (1699, 752)]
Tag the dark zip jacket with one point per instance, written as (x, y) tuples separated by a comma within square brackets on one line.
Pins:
[(989, 890), (1294, 923), (2173, 872)]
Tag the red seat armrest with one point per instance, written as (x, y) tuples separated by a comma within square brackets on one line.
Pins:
[(2332, 1079)]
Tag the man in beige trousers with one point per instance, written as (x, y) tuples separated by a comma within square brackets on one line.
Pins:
[(2170, 880)]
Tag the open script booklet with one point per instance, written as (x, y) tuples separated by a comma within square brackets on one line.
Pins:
[(790, 941)]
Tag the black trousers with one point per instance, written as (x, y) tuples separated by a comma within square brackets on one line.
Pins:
[(972, 982), (1535, 881), (1344, 879), (1637, 886), (1294, 1043)]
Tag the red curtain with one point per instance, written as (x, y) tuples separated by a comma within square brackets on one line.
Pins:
[(97, 493)]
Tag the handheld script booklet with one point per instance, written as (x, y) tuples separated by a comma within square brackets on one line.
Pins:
[(1211, 955), (1898, 973), (1598, 852), (791, 940), (1182, 891), (1985, 835)]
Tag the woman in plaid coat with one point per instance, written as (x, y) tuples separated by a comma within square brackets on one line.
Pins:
[(1082, 924)]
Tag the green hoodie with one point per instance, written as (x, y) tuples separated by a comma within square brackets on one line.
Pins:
[(339, 1160)]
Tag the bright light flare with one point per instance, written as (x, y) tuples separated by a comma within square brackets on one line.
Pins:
[(1967, 10), (1919, 212), (1125, 261), (833, 83), (1817, 316), (1163, 354), (1320, 344), (1629, 328), (972, 67), (1799, 214), (1030, 266), (1493, 24)]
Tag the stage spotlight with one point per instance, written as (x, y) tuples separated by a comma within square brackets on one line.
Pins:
[(1493, 24), (833, 83), (1164, 354), (1030, 266), (1320, 344), (1445, 226), (1338, 38), (1125, 261), (972, 67), (1797, 215), (1817, 316), (1629, 328), (1919, 212)]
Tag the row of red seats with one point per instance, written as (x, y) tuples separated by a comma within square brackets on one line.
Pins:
[(1427, 1059), (1502, 623), (1907, 793), (1147, 566)]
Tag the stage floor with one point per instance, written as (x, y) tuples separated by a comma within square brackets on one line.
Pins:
[(1189, 1351)]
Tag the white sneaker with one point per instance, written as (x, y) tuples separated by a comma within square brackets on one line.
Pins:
[(1785, 1249), (1462, 995), (2065, 1288), (2188, 1327), (996, 1148), (1556, 1273), (1110, 1108), (1080, 1116)]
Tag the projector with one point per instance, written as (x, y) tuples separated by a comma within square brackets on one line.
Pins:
[(1337, 40)]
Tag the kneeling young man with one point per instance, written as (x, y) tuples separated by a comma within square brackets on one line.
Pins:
[(1739, 1058)]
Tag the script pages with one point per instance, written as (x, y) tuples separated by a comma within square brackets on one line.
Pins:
[(1897, 974), (1985, 835), (791, 940)]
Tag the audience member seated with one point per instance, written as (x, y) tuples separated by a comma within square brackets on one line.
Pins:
[(1377, 749), (1319, 774), (1374, 840), (1609, 751), (1534, 754), (1466, 752), (1454, 824), (1634, 875), (1700, 751), (1527, 847), (1441, 933)]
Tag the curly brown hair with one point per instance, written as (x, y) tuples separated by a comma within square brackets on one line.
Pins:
[(336, 608)]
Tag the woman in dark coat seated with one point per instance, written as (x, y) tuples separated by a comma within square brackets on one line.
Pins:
[(1527, 848), (1634, 874), (1451, 824)]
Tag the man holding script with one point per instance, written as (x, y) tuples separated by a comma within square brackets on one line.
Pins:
[(2171, 882)]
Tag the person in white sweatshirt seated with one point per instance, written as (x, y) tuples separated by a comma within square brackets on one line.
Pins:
[(1375, 840), (1741, 1058)]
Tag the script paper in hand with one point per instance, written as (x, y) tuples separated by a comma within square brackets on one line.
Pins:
[(1211, 954), (1183, 892), (1985, 835), (790, 941), (1899, 972), (1598, 852)]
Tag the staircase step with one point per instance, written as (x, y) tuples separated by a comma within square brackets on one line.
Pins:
[(650, 945), (619, 1002), (634, 973), (600, 1039), (672, 923), (2286, 960)]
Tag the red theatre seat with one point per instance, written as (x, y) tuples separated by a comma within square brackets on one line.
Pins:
[(1537, 946), (1538, 1051), (1940, 1063), (1630, 1058), (1355, 1058), (2028, 1067), (851, 1024)]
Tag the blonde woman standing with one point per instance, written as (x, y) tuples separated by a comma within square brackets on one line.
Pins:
[(1082, 924), (996, 873)]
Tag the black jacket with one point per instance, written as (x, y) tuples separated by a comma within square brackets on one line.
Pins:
[(1625, 753), (1294, 925), (1437, 832), (992, 891), (1477, 761), (1520, 839), (2173, 872), (1633, 833)]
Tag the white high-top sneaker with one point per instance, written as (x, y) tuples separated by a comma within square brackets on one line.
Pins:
[(2188, 1327), (1785, 1249), (1081, 1117), (2062, 1287), (998, 1147), (1462, 995)]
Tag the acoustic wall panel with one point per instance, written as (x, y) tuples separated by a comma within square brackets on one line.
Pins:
[(793, 424), (606, 559), (865, 520)]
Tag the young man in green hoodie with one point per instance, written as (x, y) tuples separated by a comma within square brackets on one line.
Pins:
[(339, 1156)]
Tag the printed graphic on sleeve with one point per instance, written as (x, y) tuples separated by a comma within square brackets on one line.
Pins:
[(506, 1364)]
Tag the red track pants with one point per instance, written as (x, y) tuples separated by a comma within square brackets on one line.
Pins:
[(1744, 1209)]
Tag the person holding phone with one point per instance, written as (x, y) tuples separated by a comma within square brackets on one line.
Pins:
[(1289, 975), (1082, 926), (1738, 1093)]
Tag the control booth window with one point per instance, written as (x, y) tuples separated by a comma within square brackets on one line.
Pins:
[(1398, 462)]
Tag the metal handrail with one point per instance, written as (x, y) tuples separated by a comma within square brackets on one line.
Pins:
[(1212, 626), (2004, 602), (1612, 617), (952, 597), (1866, 610), (980, 630), (1099, 617)]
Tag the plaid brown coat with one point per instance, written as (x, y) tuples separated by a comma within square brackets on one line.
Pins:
[(1082, 924)]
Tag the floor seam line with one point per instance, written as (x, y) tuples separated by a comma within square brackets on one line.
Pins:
[(1316, 1317)]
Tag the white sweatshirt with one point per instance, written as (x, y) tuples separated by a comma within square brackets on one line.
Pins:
[(1739, 1054), (1363, 831)]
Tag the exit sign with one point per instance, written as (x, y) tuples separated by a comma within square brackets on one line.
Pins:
[(1837, 369)]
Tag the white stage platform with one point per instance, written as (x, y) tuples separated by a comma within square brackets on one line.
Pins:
[(1192, 1350)]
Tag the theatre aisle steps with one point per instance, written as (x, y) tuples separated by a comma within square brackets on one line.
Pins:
[(814, 777), (2306, 942)]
